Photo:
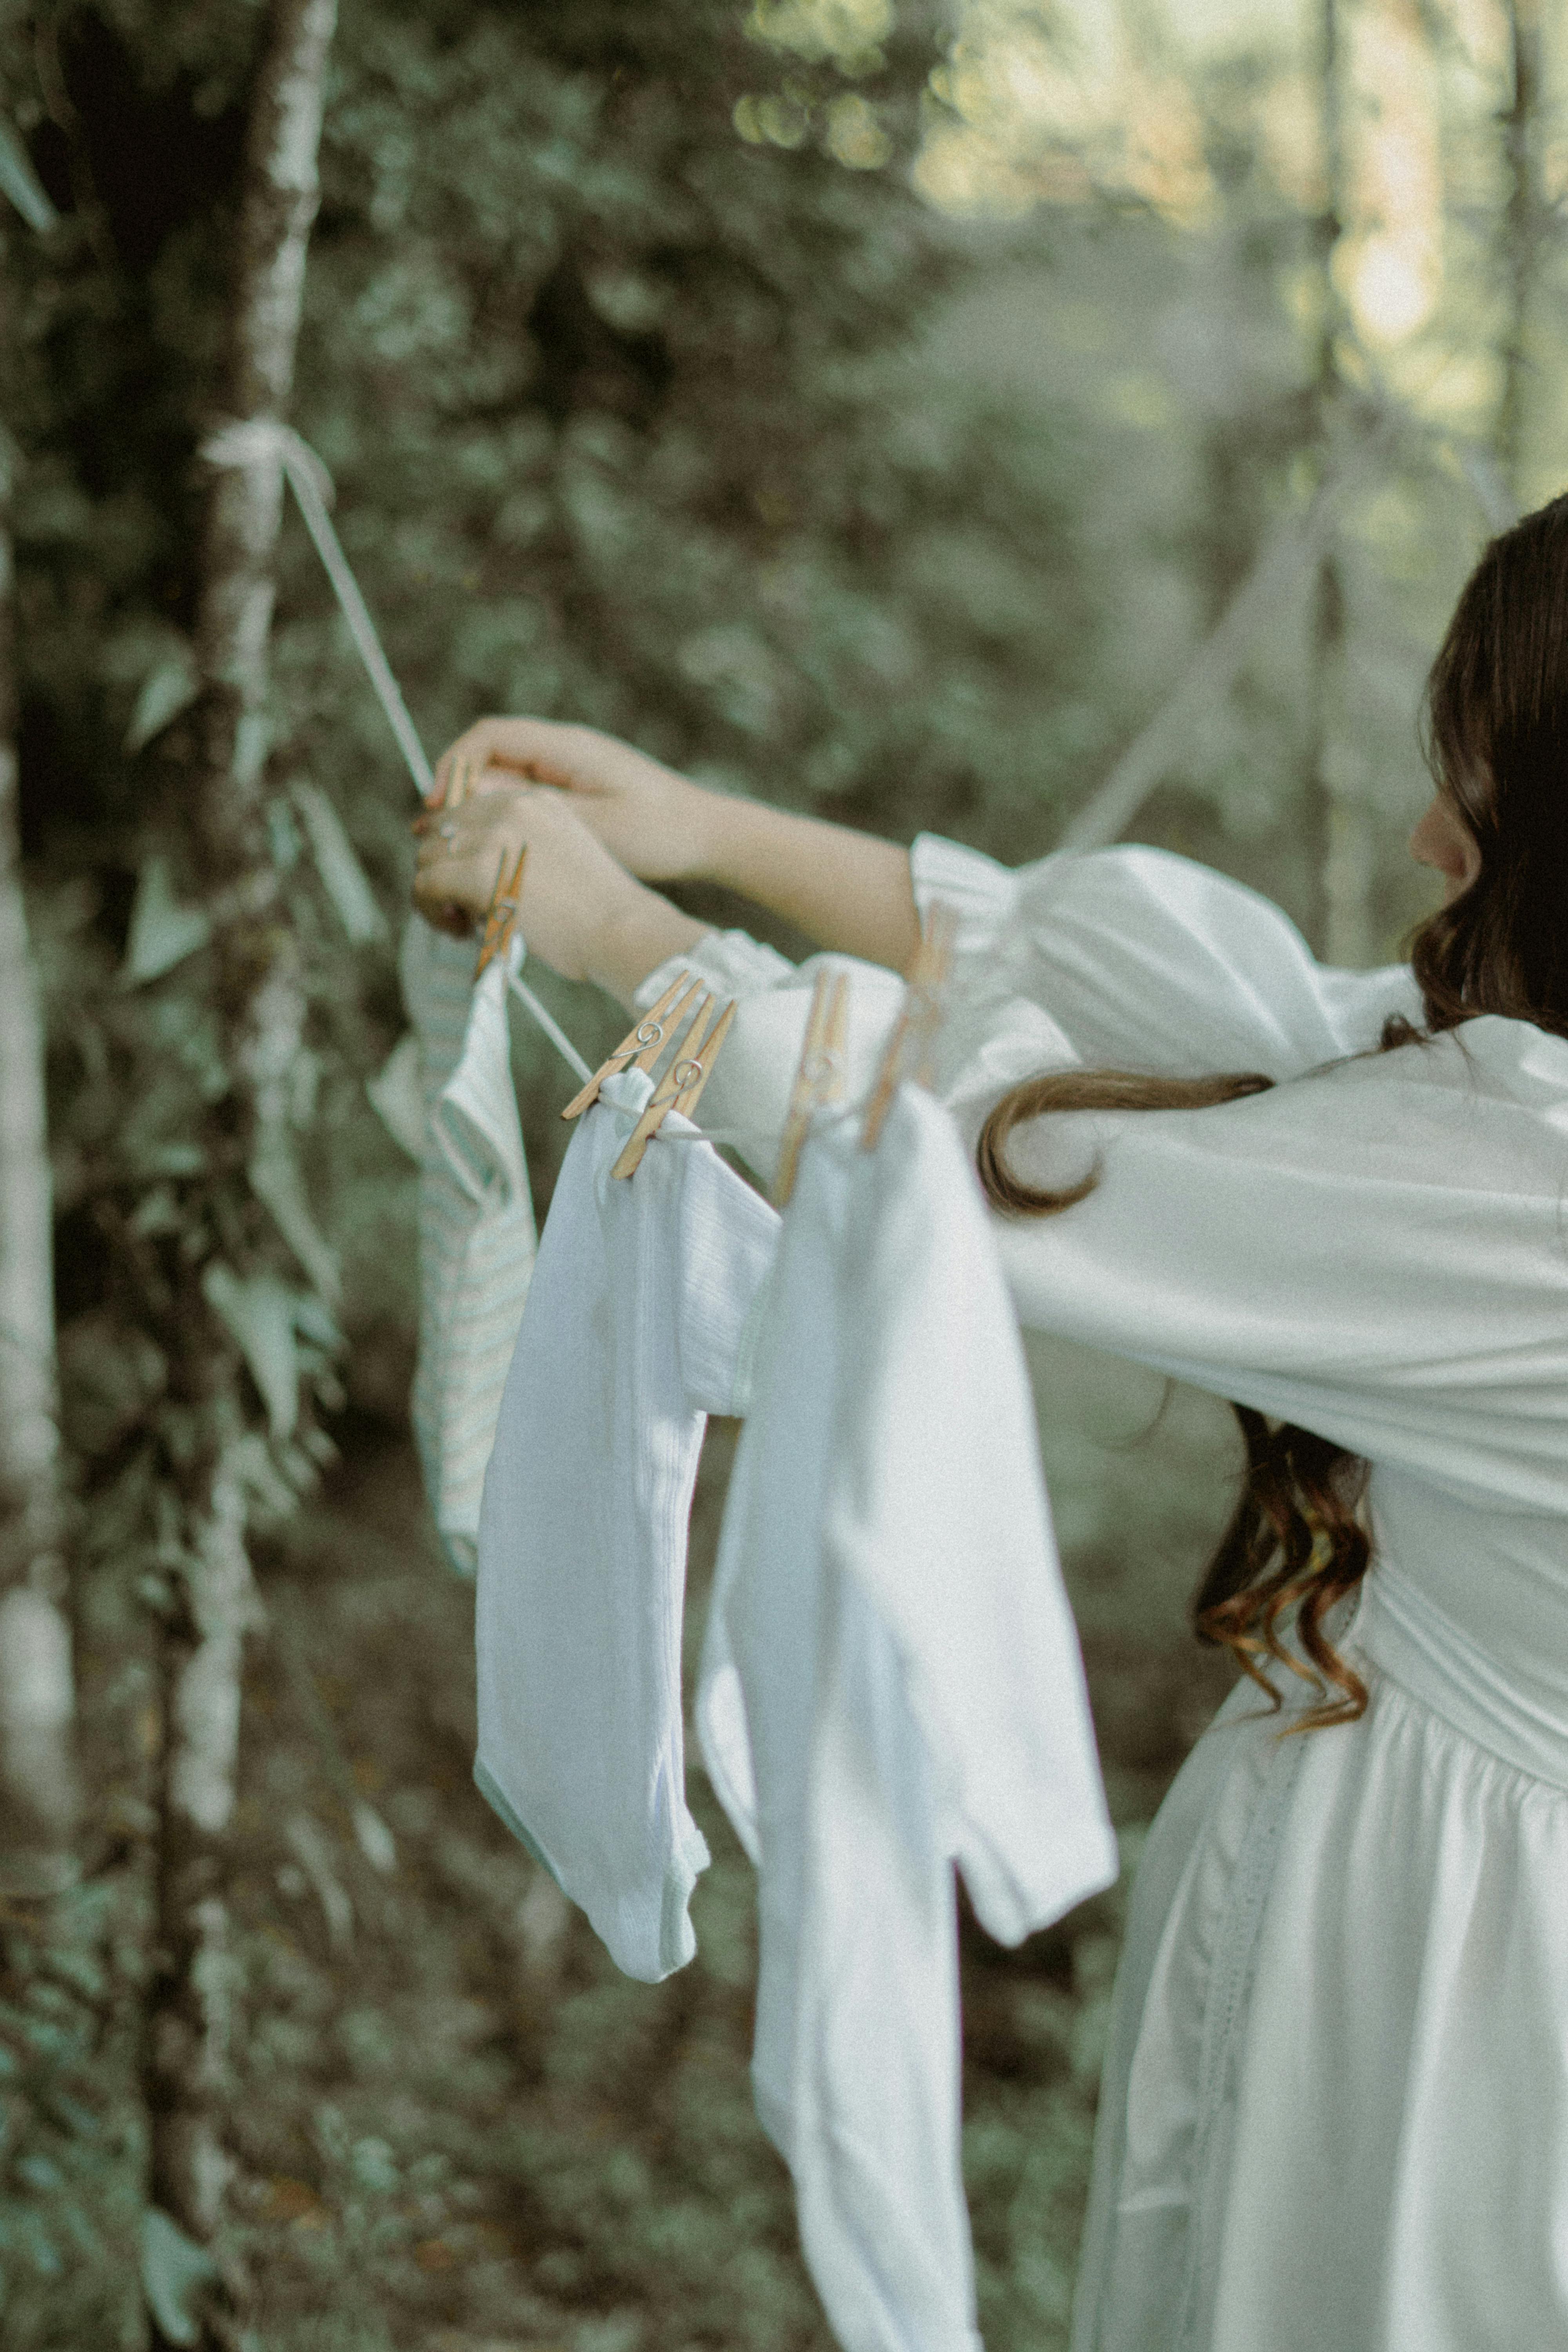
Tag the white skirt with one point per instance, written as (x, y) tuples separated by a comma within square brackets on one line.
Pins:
[(1334, 2111)]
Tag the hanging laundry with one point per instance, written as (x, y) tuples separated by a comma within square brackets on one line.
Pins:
[(477, 1235), (891, 1684), (632, 1334)]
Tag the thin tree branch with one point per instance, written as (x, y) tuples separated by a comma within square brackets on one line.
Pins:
[(39, 1796)]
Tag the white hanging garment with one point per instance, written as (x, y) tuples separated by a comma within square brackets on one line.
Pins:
[(1334, 2109), (477, 1236), (632, 1336), (890, 1685)]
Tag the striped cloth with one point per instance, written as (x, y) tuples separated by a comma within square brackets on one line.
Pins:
[(477, 1235)]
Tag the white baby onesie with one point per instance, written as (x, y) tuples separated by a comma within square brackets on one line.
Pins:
[(631, 1336), (477, 1236), (891, 1684)]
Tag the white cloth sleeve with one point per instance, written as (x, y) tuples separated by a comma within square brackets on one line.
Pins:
[(1125, 958), (1153, 963), (1375, 1251), (936, 1505)]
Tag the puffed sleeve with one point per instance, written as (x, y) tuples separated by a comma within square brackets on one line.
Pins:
[(1375, 1251), (1153, 962)]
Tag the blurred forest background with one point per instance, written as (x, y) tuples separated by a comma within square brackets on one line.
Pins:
[(1036, 420)]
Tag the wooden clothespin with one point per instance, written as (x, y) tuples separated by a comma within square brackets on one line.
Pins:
[(819, 1077), (639, 1049), (501, 916), (681, 1084), (914, 1032), (460, 782)]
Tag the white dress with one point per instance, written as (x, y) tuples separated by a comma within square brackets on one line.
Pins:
[(1334, 2111)]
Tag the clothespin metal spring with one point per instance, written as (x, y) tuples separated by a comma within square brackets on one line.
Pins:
[(682, 1084), (639, 1049)]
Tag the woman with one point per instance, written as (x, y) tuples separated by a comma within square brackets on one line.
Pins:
[(1335, 2103)]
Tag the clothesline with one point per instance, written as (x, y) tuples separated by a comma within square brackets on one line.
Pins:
[(253, 442)]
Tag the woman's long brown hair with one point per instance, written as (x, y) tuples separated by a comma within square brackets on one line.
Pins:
[(1495, 733)]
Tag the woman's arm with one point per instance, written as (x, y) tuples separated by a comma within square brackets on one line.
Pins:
[(846, 890)]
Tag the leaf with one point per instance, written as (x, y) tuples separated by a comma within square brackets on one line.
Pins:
[(173, 2270), (374, 1840), (259, 1316), (276, 1181), (343, 879), (162, 932), (21, 182), (170, 686), (395, 1093)]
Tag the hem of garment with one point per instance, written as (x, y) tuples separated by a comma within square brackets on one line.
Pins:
[(676, 1938)]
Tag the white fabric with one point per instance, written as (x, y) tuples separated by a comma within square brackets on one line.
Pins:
[(1335, 2108), (632, 1335), (890, 1684), (477, 1236), (749, 1105), (1151, 962)]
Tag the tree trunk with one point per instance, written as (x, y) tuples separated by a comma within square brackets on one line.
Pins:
[(262, 1004), (37, 1783), (1521, 231)]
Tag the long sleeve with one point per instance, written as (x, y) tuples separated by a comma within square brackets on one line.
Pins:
[(1153, 962), (1376, 1252)]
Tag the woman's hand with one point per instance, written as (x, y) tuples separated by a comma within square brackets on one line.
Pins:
[(577, 908), (844, 889), (656, 824), (572, 887)]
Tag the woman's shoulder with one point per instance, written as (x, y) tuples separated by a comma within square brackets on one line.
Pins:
[(1498, 1056)]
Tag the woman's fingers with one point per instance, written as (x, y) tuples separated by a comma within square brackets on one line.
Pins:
[(549, 750), (461, 848), (654, 822)]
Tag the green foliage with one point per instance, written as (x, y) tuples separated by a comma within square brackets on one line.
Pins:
[(617, 403), (174, 2274), (69, 2133)]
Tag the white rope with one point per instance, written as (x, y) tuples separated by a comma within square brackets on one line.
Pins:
[(253, 442), (260, 438), (557, 1035)]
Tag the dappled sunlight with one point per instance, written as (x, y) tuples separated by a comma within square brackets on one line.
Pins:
[(1031, 108), (1389, 266)]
